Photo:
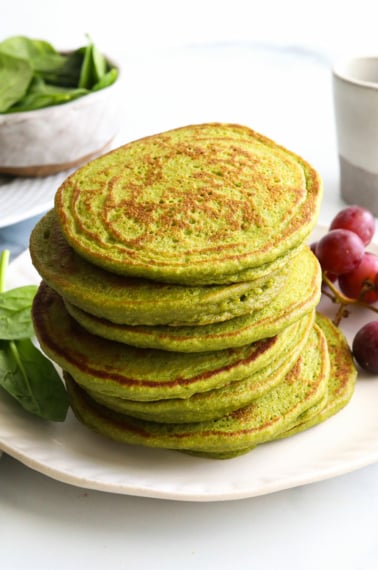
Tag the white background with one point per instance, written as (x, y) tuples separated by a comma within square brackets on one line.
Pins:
[(332, 25)]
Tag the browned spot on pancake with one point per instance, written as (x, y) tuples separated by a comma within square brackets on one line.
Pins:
[(343, 369), (293, 373)]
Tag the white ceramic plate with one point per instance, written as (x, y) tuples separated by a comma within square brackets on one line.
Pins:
[(23, 198), (70, 453)]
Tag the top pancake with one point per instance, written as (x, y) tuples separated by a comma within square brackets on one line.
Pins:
[(194, 205)]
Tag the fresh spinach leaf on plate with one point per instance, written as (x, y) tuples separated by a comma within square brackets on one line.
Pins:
[(32, 380), (25, 373), (15, 321)]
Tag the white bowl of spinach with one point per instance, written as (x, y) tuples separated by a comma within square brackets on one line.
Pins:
[(57, 109)]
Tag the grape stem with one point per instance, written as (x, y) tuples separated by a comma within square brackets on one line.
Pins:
[(338, 297)]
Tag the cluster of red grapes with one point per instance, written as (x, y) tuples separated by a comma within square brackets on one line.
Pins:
[(343, 258)]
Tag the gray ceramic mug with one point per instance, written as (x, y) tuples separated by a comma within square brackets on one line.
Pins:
[(355, 90)]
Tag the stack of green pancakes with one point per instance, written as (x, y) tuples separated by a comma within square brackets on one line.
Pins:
[(179, 296)]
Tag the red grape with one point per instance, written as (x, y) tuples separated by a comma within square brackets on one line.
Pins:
[(356, 219), (339, 251), (361, 282), (365, 347), (313, 247)]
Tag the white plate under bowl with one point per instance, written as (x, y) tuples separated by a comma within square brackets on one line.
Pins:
[(23, 198), (71, 453)]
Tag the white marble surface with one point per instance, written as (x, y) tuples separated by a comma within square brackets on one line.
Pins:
[(286, 94)]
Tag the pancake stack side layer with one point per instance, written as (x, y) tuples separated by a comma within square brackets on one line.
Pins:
[(179, 296)]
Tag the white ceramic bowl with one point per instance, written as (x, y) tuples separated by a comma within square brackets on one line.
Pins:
[(48, 140)]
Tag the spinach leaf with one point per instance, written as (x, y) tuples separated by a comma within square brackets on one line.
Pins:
[(15, 77), (94, 67), (26, 48), (44, 60), (40, 54), (11, 377), (99, 64), (25, 373), (15, 317), (32, 72), (41, 94), (106, 80), (15, 321), (67, 74), (32, 380)]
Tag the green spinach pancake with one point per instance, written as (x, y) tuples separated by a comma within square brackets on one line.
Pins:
[(195, 205), (256, 423), (214, 403), (119, 370), (179, 295), (341, 382), (340, 388), (299, 296), (134, 301)]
